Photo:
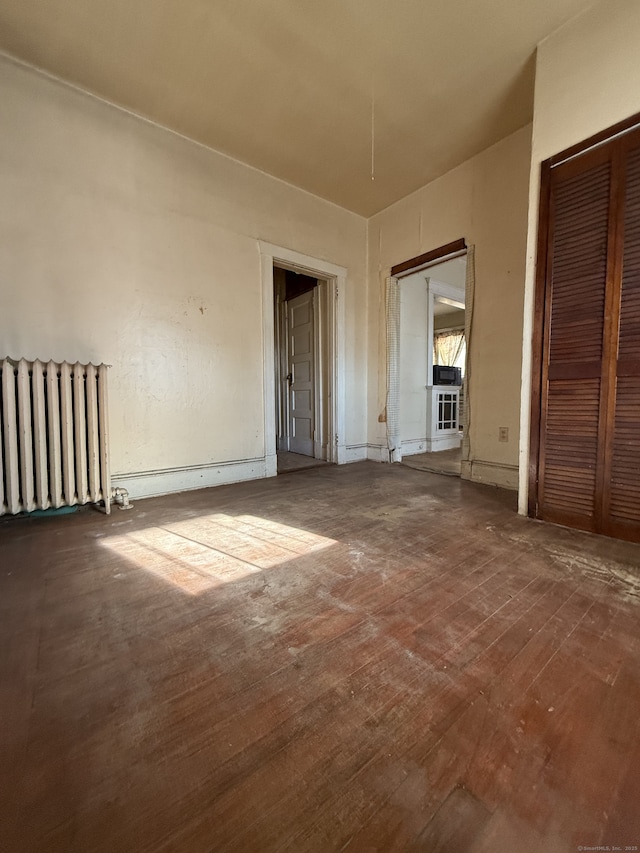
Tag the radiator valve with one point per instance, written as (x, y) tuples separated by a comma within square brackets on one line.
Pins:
[(120, 497)]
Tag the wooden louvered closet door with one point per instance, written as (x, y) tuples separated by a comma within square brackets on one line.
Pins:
[(622, 499), (588, 465)]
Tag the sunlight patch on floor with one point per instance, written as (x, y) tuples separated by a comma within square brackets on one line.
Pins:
[(204, 552)]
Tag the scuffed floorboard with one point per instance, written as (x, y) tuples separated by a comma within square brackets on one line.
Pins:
[(360, 658)]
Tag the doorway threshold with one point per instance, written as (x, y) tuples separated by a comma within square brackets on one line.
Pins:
[(288, 462), (439, 462)]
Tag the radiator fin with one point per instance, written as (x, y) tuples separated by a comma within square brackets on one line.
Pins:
[(54, 435)]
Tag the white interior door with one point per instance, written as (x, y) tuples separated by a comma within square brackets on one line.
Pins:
[(301, 374)]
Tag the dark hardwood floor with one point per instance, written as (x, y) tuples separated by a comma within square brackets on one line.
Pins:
[(360, 658), (288, 461)]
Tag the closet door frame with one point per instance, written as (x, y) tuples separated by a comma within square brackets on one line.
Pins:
[(542, 306)]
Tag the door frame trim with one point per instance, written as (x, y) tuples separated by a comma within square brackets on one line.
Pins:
[(335, 277), (439, 288), (321, 441), (539, 313), (429, 259), (535, 281), (540, 309)]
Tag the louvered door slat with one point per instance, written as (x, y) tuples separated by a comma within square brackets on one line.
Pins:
[(578, 279), (624, 508), (585, 468), (571, 445)]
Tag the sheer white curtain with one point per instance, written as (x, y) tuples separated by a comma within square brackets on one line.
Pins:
[(449, 348)]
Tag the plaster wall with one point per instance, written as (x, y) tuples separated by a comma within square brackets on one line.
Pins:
[(124, 243), (453, 320), (485, 201)]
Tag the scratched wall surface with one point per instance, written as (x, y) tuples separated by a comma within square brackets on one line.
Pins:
[(126, 244)]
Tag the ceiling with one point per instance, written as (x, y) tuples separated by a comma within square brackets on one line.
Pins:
[(291, 86)]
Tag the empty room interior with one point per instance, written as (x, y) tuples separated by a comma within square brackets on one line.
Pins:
[(320, 426)]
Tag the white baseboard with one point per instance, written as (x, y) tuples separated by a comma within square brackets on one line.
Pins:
[(355, 452), (340, 454), (491, 473), (414, 445), (270, 466), (377, 452), (444, 442), (148, 484), (362, 452), (319, 450)]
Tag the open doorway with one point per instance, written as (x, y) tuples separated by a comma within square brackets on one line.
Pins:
[(301, 369), (432, 366), (329, 322)]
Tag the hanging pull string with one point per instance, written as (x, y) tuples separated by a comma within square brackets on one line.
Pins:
[(373, 130)]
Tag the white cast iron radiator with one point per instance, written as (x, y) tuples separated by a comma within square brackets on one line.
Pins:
[(53, 435)]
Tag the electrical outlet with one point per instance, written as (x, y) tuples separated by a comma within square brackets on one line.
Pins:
[(503, 433)]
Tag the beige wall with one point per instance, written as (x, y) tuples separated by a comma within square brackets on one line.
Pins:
[(587, 76), (587, 79), (123, 243), (485, 201), (452, 320)]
